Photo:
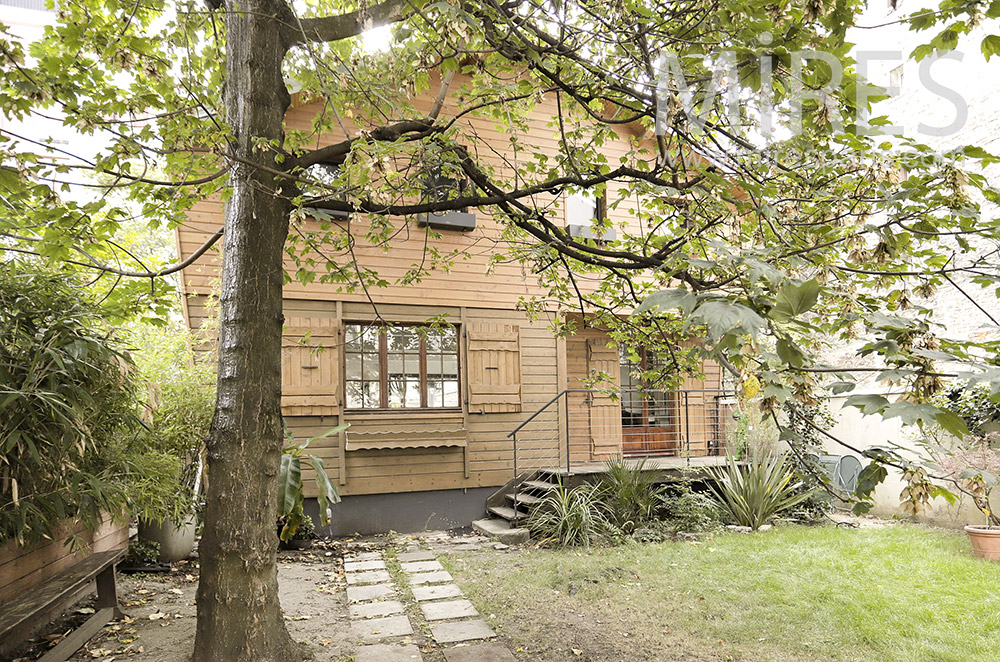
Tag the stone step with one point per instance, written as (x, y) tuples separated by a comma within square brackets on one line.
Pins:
[(522, 499), (505, 512), (502, 530), (540, 485)]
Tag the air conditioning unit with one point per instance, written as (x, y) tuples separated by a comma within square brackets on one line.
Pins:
[(588, 231), (463, 221)]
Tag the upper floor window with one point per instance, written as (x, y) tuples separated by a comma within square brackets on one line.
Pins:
[(584, 207), (401, 367)]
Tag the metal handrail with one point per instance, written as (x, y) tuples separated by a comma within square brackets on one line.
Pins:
[(548, 404), (565, 423)]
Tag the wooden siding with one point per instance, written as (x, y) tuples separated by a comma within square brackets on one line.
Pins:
[(472, 281), (23, 568), (396, 451), (595, 420)]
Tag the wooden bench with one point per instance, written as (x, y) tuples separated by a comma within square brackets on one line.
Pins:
[(19, 617)]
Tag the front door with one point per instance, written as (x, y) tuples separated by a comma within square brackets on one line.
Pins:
[(650, 416)]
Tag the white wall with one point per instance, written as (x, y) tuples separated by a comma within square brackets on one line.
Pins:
[(863, 432)]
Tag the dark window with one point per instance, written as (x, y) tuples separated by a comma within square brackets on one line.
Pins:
[(401, 367), (326, 186), (644, 404), (441, 184)]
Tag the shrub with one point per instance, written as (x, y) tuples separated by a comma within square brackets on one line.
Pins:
[(142, 551), (689, 511), (629, 494), (181, 393), (67, 408), (753, 493), (570, 517)]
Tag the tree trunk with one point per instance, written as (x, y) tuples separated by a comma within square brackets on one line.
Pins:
[(239, 617)]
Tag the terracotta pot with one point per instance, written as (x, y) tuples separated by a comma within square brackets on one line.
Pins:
[(985, 541)]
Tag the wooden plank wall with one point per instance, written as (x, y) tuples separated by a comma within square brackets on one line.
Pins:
[(482, 459), (473, 280), (595, 423), (23, 568)]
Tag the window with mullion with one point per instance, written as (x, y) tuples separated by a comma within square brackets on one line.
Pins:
[(401, 367)]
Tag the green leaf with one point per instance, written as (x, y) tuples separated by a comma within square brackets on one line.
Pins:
[(722, 317), (323, 435), (794, 300), (990, 46), (790, 353), (327, 492), (952, 422), (867, 403), (289, 483), (667, 300)]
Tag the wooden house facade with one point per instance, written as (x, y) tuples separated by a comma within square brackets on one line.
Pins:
[(431, 407)]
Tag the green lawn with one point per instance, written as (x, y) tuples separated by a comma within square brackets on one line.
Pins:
[(902, 593)]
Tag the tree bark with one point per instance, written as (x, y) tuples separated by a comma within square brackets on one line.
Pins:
[(239, 616)]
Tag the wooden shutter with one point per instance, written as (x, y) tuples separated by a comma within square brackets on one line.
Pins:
[(494, 371), (605, 413), (310, 375)]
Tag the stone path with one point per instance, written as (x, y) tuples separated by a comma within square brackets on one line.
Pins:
[(378, 611)]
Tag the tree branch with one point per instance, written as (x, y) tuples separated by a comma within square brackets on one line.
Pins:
[(335, 28)]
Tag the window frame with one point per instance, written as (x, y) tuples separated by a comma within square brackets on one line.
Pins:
[(383, 369), (600, 206)]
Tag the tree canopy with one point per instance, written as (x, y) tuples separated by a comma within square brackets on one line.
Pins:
[(771, 216)]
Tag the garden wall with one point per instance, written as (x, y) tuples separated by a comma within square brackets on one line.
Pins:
[(23, 568), (863, 432)]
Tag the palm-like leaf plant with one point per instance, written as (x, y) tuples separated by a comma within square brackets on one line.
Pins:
[(290, 495), (753, 492), (569, 516), (630, 493)]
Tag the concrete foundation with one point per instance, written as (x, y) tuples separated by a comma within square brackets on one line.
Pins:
[(404, 513)]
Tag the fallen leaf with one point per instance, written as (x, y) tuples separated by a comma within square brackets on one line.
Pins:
[(86, 610), (577, 652), (155, 616), (177, 591)]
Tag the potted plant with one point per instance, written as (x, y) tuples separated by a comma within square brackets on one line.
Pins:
[(293, 523), (973, 464), (181, 399)]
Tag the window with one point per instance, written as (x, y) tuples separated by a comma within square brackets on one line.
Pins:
[(896, 81), (327, 176), (584, 208), (401, 367), (585, 217), (439, 186)]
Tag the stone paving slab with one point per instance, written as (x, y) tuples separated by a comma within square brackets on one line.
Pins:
[(423, 593), (490, 652), (421, 566), (376, 609), (368, 592), (358, 566), (369, 577), (449, 633), (387, 653), (439, 577), (415, 555), (440, 611), (382, 628), (363, 556)]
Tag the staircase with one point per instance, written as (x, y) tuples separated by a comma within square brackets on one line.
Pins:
[(509, 506)]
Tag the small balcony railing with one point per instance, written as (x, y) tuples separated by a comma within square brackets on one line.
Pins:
[(578, 425)]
